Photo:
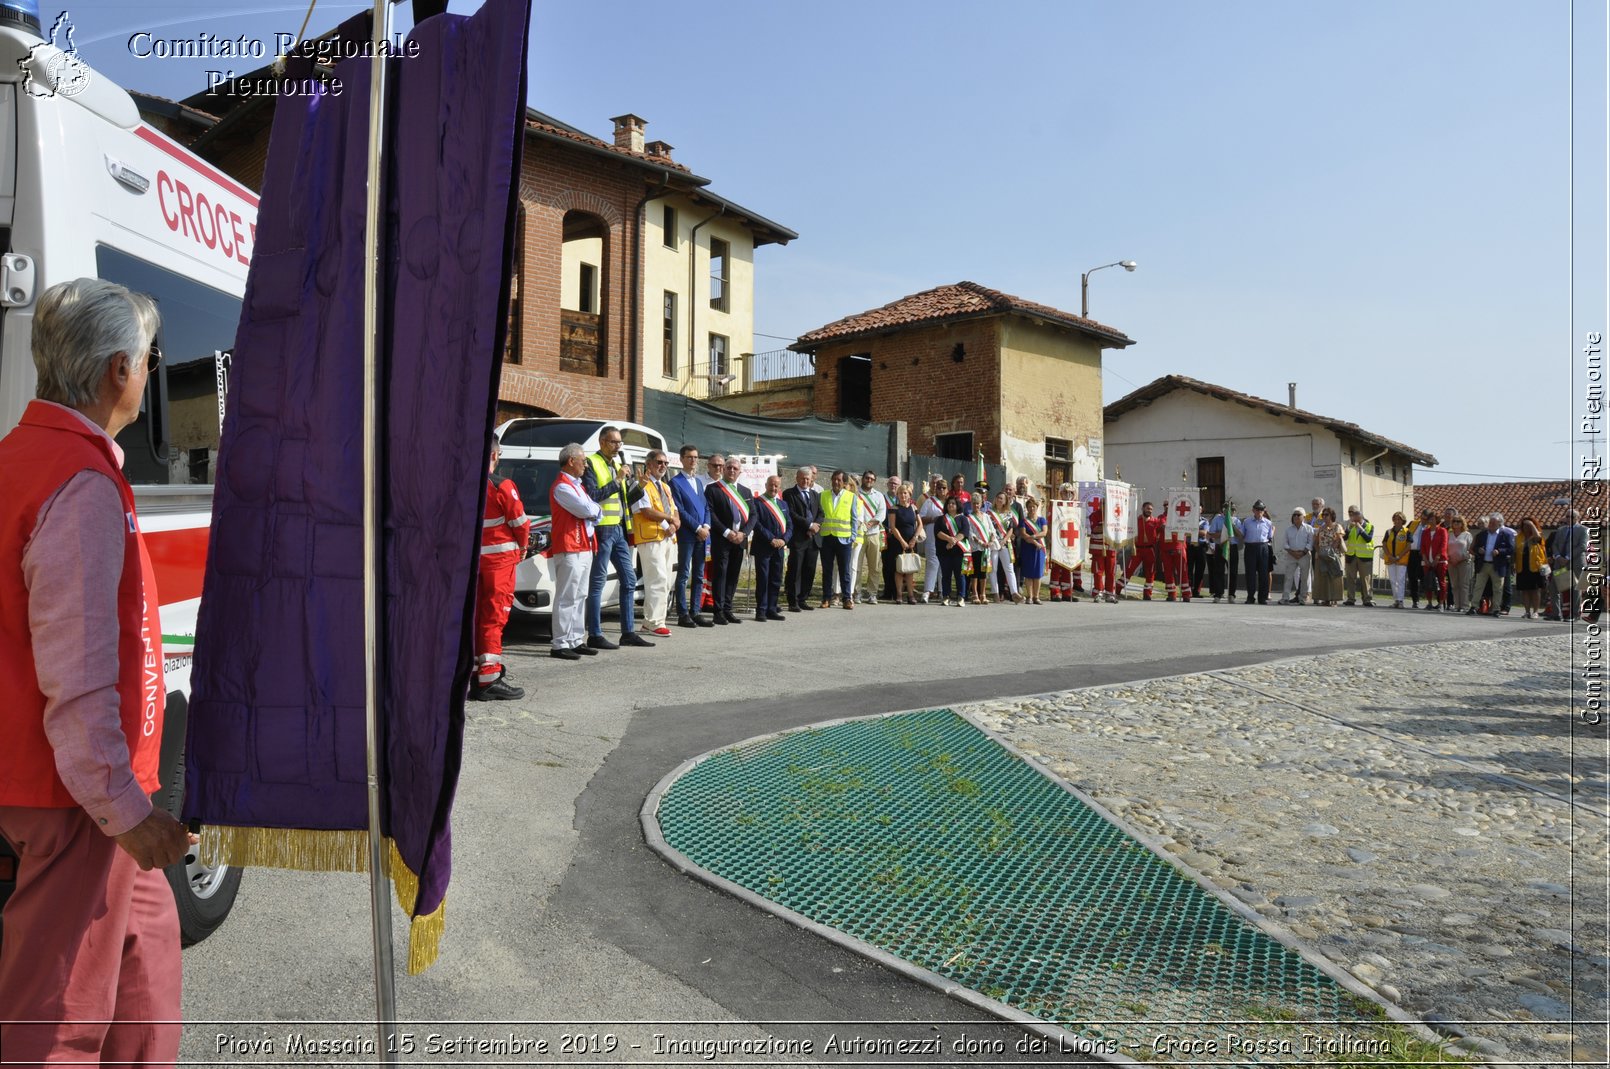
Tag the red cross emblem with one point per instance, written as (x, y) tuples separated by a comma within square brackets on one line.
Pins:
[(1069, 533), (1118, 512), (1183, 508)]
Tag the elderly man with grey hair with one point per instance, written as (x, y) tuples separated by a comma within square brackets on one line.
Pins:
[(91, 931), (654, 524), (571, 544), (1493, 551)]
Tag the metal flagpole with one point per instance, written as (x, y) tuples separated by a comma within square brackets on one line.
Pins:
[(379, 891)]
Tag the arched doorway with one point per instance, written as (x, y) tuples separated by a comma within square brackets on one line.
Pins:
[(584, 295)]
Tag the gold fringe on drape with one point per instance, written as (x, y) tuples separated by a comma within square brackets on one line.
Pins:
[(329, 851)]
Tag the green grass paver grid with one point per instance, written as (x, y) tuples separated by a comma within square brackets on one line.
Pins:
[(920, 834)]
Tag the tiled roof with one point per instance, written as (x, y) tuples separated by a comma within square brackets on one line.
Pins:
[(1514, 500), (539, 123), (1169, 383), (963, 300)]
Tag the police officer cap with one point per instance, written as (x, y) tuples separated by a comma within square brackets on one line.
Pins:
[(1257, 506)]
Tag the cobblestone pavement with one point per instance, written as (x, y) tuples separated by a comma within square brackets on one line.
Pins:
[(1431, 818)]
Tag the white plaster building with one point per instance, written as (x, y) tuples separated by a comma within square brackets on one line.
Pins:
[(1179, 431)]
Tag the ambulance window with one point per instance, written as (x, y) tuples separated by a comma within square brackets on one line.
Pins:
[(197, 321)]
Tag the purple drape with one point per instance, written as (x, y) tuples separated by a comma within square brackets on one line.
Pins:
[(276, 730)]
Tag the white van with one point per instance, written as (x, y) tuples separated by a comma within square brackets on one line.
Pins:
[(529, 455)]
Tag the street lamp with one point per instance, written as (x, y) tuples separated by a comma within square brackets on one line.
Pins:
[(1084, 283)]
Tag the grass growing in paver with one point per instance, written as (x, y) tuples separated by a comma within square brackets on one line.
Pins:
[(921, 835)]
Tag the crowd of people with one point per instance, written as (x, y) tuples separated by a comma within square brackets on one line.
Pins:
[(884, 540), (1452, 565)]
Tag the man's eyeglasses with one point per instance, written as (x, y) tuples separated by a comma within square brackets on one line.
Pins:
[(152, 358)]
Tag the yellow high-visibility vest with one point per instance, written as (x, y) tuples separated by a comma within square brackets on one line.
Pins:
[(838, 515), (1361, 541), (614, 505)]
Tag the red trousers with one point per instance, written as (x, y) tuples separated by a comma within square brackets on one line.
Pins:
[(1176, 570), (1061, 582), (494, 598), (1103, 569), (91, 946), (1143, 557)]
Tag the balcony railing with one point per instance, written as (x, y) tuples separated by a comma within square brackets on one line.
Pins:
[(777, 365)]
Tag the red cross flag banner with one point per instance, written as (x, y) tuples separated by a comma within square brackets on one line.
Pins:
[(1184, 504), (1067, 542), (1117, 503)]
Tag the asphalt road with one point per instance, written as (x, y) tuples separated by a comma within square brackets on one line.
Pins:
[(559, 913)]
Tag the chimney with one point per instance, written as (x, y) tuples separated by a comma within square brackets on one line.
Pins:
[(659, 148), (1291, 395), (629, 132)]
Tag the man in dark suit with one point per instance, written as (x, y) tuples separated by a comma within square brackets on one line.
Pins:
[(1493, 550), (692, 539), (732, 517), (771, 536), (805, 521)]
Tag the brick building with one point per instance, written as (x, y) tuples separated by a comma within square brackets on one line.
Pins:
[(972, 370), (578, 322)]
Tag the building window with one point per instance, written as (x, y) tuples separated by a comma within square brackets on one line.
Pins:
[(1210, 477), (669, 316), (1058, 461), (958, 446), (720, 254), (511, 341), (668, 230), (720, 372), (588, 294)]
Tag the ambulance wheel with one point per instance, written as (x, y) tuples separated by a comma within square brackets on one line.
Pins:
[(204, 894)]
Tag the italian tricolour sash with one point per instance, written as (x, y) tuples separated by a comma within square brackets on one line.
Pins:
[(737, 500), (776, 513)]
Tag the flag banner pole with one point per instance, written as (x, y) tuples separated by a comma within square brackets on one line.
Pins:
[(379, 890)]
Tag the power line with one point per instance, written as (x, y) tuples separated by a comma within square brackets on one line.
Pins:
[(1490, 475)]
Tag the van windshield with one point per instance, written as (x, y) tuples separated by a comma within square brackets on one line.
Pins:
[(549, 434), (533, 478)]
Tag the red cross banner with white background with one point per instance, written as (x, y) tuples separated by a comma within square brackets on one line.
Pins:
[(1118, 507), (1183, 509), (1066, 537)]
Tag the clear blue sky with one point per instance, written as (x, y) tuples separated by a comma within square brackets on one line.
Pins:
[(1374, 199)]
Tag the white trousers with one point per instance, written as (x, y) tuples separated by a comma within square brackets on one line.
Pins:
[(1001, 571), (1399, 575), (1298, 576), (930, 578), (659, 571), (571, 574)]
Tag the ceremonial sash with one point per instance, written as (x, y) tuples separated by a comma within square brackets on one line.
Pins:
[(777, 514), (951, 527), (738, 504)]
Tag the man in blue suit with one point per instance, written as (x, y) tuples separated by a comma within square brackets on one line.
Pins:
[(772, 529), (732, 517), (1493, 551), (692, 538)]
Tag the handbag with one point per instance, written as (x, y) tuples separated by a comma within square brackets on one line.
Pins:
[(907, 563)]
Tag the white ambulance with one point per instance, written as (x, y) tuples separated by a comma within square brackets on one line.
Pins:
[(88, 189)]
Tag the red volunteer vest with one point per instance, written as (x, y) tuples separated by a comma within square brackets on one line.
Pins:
[(46, 449), (568, 533)]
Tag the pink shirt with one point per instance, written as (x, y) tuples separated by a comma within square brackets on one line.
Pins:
[(71, 565)]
